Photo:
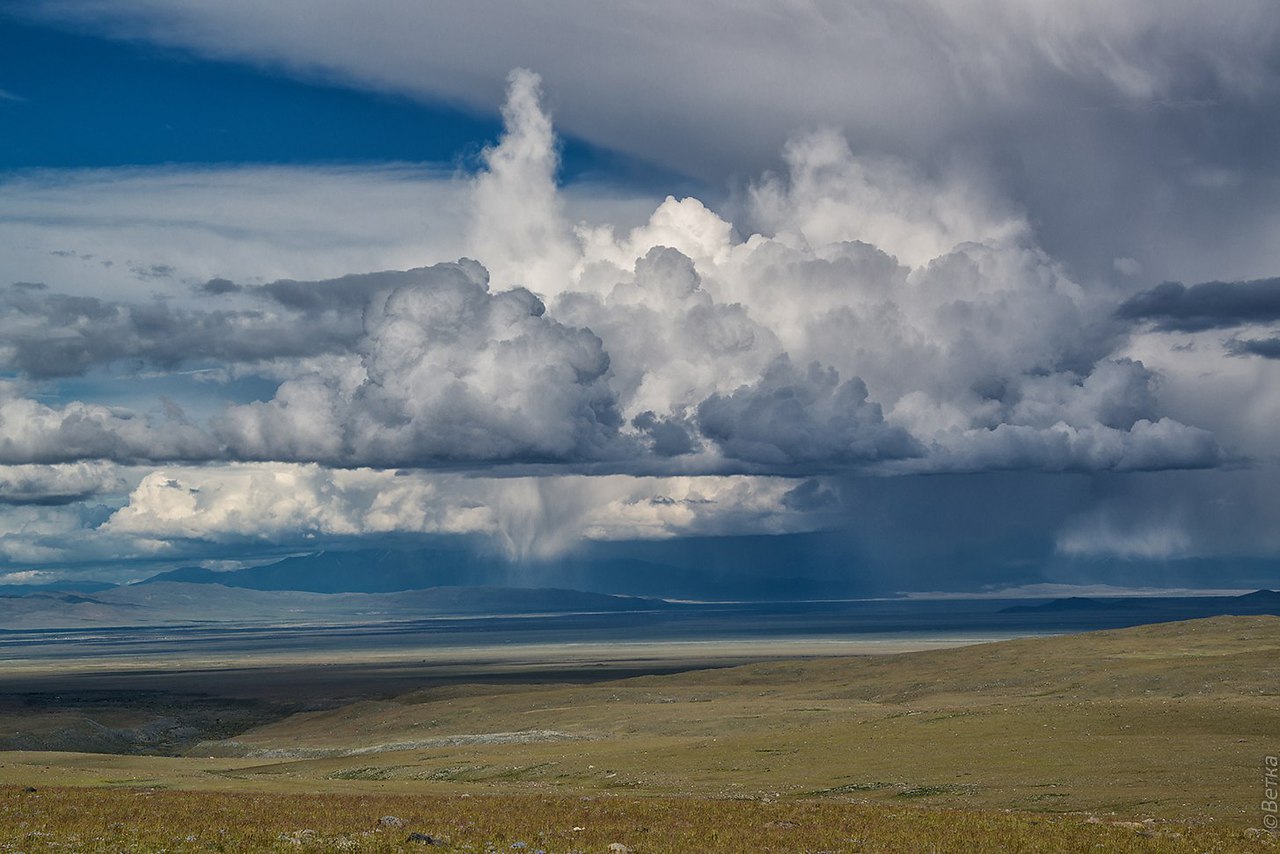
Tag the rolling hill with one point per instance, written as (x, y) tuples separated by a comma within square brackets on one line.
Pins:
[(1164, 720)]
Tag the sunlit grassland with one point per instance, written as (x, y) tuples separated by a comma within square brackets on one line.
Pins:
[(1046, 744)]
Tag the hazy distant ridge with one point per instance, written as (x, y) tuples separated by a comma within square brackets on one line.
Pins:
[(173, 602), (1189, 607), (388, 570)]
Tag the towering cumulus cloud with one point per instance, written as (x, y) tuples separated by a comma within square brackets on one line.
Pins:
[(517, 217), (879, 320)]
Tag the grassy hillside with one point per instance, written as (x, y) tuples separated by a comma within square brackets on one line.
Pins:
[(1167, 720), (1161, 723)]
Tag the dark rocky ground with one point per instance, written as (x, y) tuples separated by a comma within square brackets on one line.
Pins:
[(127, 721)]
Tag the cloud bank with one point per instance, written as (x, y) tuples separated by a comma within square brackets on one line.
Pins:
[(886, 321), (1073, 110)]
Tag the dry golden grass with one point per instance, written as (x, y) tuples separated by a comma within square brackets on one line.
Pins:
[(145, 820)]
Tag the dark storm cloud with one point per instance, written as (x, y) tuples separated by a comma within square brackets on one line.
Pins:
[(802, 417), (344, 294), (56, 485), (218, 287), (47, 335), (1175, 307), (64, 336), (1267, 348), (668, 436), (810, 495)]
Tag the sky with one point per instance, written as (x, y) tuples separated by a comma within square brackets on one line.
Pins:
[(901, 296)]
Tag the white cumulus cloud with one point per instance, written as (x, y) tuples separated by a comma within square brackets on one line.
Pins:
[(524, 518)]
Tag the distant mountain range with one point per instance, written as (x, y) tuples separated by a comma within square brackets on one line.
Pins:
[(1257, 602), (371, 585), (175, 602), (386, 571), (1073, 603), (169, 602), (11, 590), (369, 571)]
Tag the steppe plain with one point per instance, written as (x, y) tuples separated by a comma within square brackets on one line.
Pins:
[(1143, 739)]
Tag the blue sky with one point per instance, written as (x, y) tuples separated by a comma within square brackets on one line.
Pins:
[(610, 281), (75, 99), (82, 100)]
